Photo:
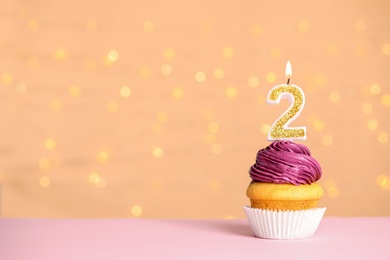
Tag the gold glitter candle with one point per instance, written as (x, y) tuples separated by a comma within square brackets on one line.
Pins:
[(280, 128)]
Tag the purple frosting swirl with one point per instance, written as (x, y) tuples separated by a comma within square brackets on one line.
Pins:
[(284, 161)]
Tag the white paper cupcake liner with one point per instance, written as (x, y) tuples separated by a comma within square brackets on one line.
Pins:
[(284, 224)]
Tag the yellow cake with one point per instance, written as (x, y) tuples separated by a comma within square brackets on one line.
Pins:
[(272, 196)]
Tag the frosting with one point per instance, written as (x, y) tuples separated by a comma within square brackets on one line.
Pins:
[(284, 161)]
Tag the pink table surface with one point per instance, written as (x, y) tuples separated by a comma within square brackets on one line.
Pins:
[(336, 238)]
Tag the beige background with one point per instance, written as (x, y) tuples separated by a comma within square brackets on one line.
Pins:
[(156, 109)]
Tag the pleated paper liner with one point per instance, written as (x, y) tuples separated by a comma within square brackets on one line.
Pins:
[(284, 224)]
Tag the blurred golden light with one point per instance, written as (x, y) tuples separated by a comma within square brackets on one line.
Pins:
[(329, 184), (383, 137), (145, 72), (6, 78), (218, 73), (107, 62), (60, 54), (158, 185), (44, 181), (50, 143), (303, 26), (271, 77), (162, 117), (227, 52), (372, 124), (21, 88), (32, 24), (169, 53), (360, 26), (158, 152), (319, 125), (253, 82), (264, 128), (125, 91), (327, 140), (332, 49), (136, 210), (213, 127), (44, 163), (207, 27), (375, 89), (367, 108), (334, 97), (386, 49), (256, 29), (360, 50), (113, 55), (229, 217), (55, 105), (311, 118), (383, 181), (102, 157), (157, 129), (74, 91), (209, 138), (200, 76), (92, 25), (216, 148), (32, 62), (385, 100), (177, 92), (101, 183), (166, 69), (333, 192), (149, 26), (275, 52), (112, 107), (231, 92), (320, 80), (94, 177), (214, 185)]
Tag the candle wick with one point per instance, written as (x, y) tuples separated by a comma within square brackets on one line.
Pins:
[(288, 81)]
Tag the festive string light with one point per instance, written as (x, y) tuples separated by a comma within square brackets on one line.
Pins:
[(332, 49), (125, 91), (50, 143), (213, 127), (136, 210), (149, 26), (166, 69), (327, 140), (44, 181), (44, 163), (319, 125), (227, 52), (32, 24), (218, 73), (158, 152), (214, 185), (6, 78), (264, 129), (169, 53), (386, 49), (94, 177), (360, 26), (367, 108), (275, 52), (375, 89), (216, 148), (112, 107), (102, 157), (200, 76), (303, 26), (256, 30), (92, 25), (383, 137), (177, 93), (383, 181), (231, 92), (60, 54), (113, 55), (271, 77), (385, 100), (372, 124), (101, 183), (162, 117), (334, 97), (253, 82), (74, 91)]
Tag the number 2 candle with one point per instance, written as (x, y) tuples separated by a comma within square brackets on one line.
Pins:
[(280, 128)]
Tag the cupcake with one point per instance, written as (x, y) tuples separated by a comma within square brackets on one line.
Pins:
[(283, 193)]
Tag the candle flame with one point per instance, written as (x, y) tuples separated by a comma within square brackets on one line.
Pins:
[(288, 70)]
